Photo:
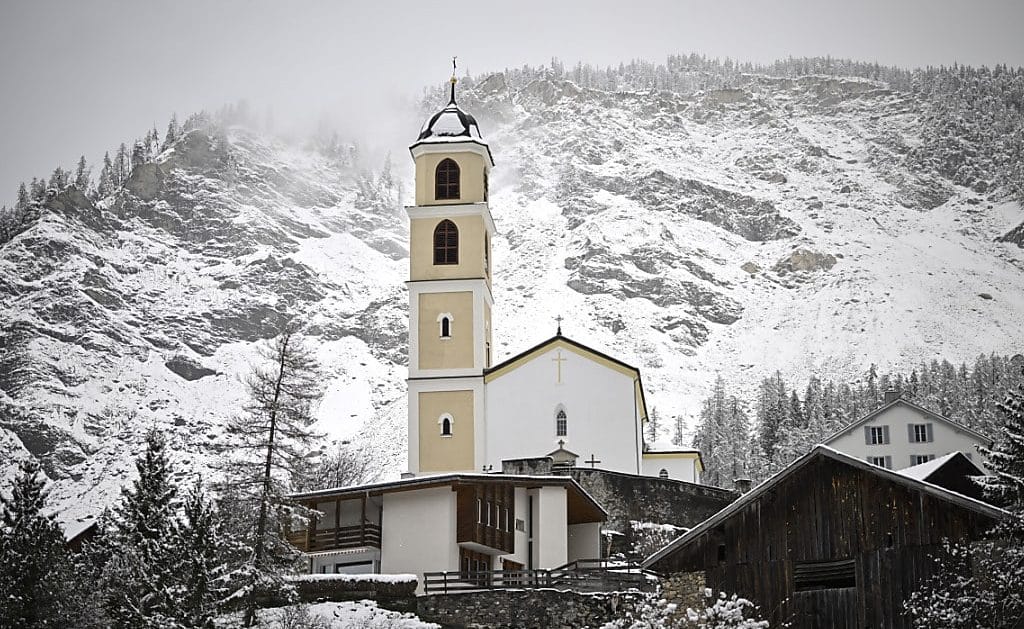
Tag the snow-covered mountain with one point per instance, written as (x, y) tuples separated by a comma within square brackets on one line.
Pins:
[(776, 224)]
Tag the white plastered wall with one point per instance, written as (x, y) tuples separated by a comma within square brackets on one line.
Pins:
[(678, 467), (599, 402), (550, 532), (946, 438), (584, 541), (418, 532)]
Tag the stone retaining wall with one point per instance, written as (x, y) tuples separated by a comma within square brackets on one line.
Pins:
[(526, 609)]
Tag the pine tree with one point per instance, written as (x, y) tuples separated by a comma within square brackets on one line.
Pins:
[(107, 183), (139, 575), (33, 557), (272, 440), (653, 426), (678, 431), (204, 568), (981, 584), (173, 132), (122, 165), (82, 175)]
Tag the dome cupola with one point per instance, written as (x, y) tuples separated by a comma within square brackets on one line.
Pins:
[(451, 125)]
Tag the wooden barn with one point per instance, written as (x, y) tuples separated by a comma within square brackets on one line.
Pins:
[(830, 541)]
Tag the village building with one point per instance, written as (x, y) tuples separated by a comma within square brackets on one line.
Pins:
[(830, 541), (465, 524), (953, 471), (901, 434)]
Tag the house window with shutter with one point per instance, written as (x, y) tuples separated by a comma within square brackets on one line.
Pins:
[(881, 461), (876, 435), (920, 433), (917, 459)]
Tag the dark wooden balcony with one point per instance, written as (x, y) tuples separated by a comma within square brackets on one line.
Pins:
[(318, 540)]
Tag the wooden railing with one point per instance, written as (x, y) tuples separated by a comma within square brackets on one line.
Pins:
[(336, 538), (588, 575)]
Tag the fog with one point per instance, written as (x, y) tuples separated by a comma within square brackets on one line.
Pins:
[(81, 77)]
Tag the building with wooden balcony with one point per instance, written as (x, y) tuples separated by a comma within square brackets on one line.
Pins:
[(461, 523)]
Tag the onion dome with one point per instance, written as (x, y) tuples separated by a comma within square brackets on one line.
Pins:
[(451, 124)]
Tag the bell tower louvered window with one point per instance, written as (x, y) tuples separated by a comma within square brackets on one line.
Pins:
[(446, 180), (446, 243)]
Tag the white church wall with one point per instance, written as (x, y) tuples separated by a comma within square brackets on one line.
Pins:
[(599, 402), (550, 532), (584, 541), (678, 468), (418, 532)]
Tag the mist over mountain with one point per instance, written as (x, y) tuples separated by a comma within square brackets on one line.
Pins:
[(692, 218)]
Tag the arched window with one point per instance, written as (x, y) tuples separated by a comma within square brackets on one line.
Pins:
[(487, 255), (444, 324), (446, 243), (446, 180), (561, 423), (663, 473), (446, 421), (485, 185)]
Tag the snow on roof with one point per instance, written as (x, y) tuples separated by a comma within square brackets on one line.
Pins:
[(668, 447), (922, 471), (74, 529)]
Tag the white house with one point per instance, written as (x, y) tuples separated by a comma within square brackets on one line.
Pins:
[(459, 523), (902, 434)]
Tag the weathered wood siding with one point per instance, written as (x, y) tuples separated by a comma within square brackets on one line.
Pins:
[(830, 511)]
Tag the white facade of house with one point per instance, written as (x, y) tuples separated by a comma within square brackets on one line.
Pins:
[(902, 434), (418, 527), (602, 417)]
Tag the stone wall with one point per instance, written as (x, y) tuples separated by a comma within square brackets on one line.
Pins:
[(686, 590), (629, 497), (526, 609)]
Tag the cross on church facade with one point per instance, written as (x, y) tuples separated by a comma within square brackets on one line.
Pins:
[(558, 360), (592, 461)]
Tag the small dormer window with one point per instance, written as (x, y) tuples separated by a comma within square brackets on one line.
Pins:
[(446, 180), (444, 323), (446, 243)]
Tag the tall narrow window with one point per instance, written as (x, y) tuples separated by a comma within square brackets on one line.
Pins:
[(446, 243), (485, 184), (444, 324), (446, 180), (487, 255), (561, 423)]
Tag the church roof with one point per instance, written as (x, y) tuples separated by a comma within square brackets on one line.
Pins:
[(451, 124), (551, 341)]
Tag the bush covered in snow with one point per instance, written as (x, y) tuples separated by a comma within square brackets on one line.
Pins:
[(724, 612)]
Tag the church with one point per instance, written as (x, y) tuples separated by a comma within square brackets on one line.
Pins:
[(467, 413), (495, 480)]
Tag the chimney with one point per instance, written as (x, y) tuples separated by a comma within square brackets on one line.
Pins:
[(742, 485), (891, 396)]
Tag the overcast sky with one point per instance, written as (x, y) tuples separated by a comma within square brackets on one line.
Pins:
[(80, 77)]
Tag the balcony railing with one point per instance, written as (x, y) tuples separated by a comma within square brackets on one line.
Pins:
[(589, 575), (336, 538)]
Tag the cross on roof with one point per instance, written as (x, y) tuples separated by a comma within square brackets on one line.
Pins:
[(592, 461), (559, 320)]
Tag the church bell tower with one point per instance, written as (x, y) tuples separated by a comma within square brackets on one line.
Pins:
[(450, 232)]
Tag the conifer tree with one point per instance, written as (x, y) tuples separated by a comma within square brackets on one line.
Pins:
[(138, 577), (272, 440), (33, 557), (82, 175), (204, 568)]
